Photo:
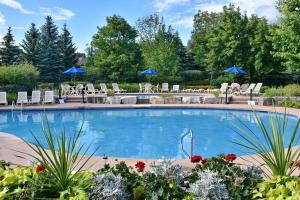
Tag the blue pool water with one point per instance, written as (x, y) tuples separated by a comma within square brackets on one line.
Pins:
[(140, 133)]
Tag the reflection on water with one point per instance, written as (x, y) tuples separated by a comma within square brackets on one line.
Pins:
[(140, 133)]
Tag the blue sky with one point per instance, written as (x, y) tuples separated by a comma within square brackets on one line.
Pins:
[(83, 16)]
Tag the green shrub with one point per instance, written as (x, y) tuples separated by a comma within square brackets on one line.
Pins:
[(18, 77), (11, 97), (291, 103), (288, 91), (48, 86), (130, 87), (191, 75), (281, 187)]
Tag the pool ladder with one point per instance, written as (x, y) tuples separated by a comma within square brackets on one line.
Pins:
[(187, 133)]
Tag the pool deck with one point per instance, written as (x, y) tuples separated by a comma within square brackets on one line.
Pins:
[(10, 145)]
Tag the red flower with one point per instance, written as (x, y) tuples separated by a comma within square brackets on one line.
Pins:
[(196, 159), (39, 168), (140, 166), (204, 161), (230, 157)]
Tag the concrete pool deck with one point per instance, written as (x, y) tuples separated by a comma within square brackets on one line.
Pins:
[(10, 145)]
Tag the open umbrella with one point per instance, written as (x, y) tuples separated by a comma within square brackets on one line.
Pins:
[(235, 70), (74, 70), (149, 72)]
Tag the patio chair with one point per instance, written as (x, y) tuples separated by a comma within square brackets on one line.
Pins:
[(249, 89), (3, 98), (90, 89), (103, 88), (49, 97), (244, 87), (164, 87), (116, 88), (257, 88), (66, 89), (223, 88), (36, 97), (148, 88), (175, 88), (78, 89), (22, 98), (141, 88)]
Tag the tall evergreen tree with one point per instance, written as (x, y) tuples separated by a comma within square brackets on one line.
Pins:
[(68, 48), (10, 53), (51, 62), (31, 45)]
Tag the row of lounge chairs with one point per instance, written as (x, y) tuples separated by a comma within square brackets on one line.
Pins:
[(89, 89), (235, 88), (35, 98)]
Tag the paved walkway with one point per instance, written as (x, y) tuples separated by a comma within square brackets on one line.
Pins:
[(10, 146)]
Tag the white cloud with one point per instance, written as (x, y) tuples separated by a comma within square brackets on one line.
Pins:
[(58, 13), (16, 5), (162, 5), (186, 22), (2, 19), (262, 8)]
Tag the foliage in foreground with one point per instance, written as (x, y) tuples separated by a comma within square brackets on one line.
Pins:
[(281, 187), (62, 161), (277, 148)]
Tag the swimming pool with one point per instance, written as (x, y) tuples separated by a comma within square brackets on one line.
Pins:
[(140, 133)]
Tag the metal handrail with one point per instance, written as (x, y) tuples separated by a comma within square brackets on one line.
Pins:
[(190, 133)]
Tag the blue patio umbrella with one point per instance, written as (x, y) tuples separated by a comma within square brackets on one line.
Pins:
[(235, 70), (149, 72), (74, 70)]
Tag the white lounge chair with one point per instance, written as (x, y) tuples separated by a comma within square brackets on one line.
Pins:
[(141, 88), (3, 98), (256, 90), (249, 89), (223, 88), (116, 88), (148, 88), (22, 98), (78, 89), (36, 97), (175, 88), (103, 88), (244, 87), (90, 89), (48, 97), (66, 89), (164, 87)]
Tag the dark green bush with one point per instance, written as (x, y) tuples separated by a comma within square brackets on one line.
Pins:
[(191, 75), (18, 77), (11, 97), (130, 87)]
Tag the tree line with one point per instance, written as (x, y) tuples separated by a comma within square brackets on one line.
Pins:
[(45, 48), (269, 52)]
